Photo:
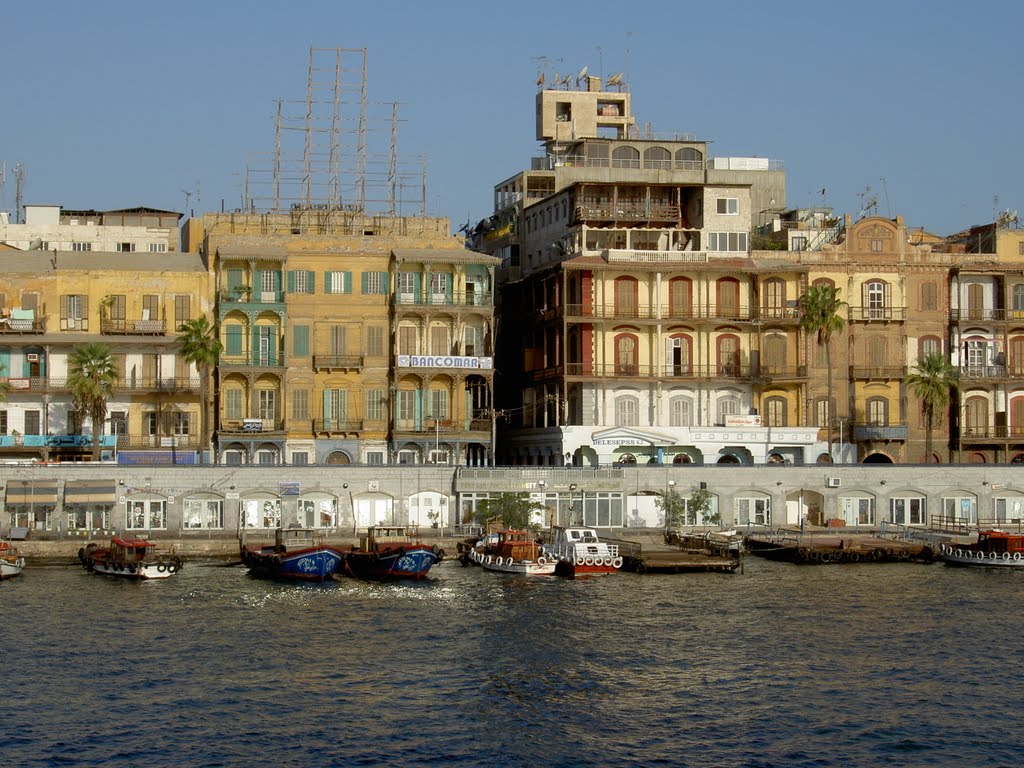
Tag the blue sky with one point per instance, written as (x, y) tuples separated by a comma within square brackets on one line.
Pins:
[(113, 104)]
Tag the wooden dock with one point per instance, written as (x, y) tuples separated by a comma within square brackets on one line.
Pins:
[(839, 549), (657, 558)]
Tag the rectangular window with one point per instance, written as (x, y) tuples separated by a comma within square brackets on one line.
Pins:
[(338, 282), (300, 458), (268, 404), (116, 307), (81, 246), (337, 339), (300, 341), (150, 307), (406, 405), (182, 423), (300, 404), (439, 284), (203, 514), (182, 309), (407, 340), (727, 242), (375, 283), (234, 407), (158, 247), (929, 296), (439, 341), (3, 422), (74, 312), (437, 400), (125, 247), (375, 458), (375, 403), (728, 206), (33, 422), (300, 281), (375, 341), (233, 340), (407, 282), (877, 246), (798, 243)]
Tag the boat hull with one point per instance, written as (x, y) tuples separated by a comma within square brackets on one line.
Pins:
[(11, 567), (587, 566), (540, 567), (144, 570), (309, 564), (407, 563), (972, 558)]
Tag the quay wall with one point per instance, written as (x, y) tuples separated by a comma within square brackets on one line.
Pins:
[(397, 494)]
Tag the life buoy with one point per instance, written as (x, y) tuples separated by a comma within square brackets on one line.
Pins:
[(173, 567), (904, 554), (542, 560), (499, 561), (490, 559), (607, 562), (160, 567), (981, 555), (588, 561), (1006, 556), (617, 562), (1016, 557), (579, 560), (991, 555)]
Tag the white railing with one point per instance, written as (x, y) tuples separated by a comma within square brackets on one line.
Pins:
[(612, 255)]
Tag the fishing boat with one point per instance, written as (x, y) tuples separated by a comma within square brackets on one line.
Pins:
[(129, 559), (297, 554), (390, 552), (513, 551), (11, 560), (579, 551), (995, 548)]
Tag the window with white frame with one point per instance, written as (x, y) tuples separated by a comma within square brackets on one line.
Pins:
[(147, 514), (908, 510), (81, 246), (857, 510), (439, 284), (680, 411), (300, 458), (407, 456), (375, 458), (753, 509), (1009, 509), (267, 404), (627, 409), (960, 509), (158, 247), (376, 282), (437, 401), (182, 424), (728, 206), (727, 241), (125, 247), (728, 405), (207, 514), (233, 404), (375, 402), (338, 282), (300, 404), (318, 513), (261, 513), (405, 404)]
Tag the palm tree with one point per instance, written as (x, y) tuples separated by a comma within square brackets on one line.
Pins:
[(200, 345), (91, 376), (932, 381), (819, 314)]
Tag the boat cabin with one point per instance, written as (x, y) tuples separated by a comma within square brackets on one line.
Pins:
[(1000, 541), (129, 550), (382, 537), (290, 539), (518, 545)]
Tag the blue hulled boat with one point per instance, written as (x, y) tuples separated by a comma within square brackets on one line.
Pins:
[(297, 554), (390, 552)]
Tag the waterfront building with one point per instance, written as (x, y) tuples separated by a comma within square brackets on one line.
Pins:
[(52, 228), (55, 301), (636, 325), (350, 338)]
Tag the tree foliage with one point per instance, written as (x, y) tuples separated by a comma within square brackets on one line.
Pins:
[(200, 345), (932, 381), (677, 508), (91, 377), (514, 510)]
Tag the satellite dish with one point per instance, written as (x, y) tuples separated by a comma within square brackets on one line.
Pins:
[(36, 244), (582, 74), (615, 79)]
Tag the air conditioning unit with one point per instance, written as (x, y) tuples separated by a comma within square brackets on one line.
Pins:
[(32, 357), (833, 482)]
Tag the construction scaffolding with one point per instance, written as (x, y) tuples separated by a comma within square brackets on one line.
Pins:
[(323, 159)]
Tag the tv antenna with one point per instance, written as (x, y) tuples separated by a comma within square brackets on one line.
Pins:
[(868, 203), (543, 62)]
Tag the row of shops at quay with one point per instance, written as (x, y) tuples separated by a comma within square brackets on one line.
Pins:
[(60, 501)]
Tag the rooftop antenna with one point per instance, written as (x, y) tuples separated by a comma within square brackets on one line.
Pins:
[(19, 182), (868, 203), (582, 75), (885, 190), (615, 79), (542, 67)]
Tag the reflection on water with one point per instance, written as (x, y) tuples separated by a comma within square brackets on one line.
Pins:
[(777, 666)]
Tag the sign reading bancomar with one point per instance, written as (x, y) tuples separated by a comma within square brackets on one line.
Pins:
[(444, 361)]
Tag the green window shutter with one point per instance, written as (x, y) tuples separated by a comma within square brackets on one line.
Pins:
[(233, 339), (234, 278), (365, 277), (300, 340), (291, 281), (347, 279), (311, 281), (418, 286), (385, 277), (328, 411)]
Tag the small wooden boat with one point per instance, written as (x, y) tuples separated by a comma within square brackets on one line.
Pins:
[(11, 560), (129, 559), (513, 551), (390, 552), (579, 552), (297, 554), (994, 548)]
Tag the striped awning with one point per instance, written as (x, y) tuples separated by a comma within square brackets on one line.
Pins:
[(31, 492), (89, 492)]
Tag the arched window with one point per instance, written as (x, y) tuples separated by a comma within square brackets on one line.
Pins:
[(625, 157), (680, 409), (774, 354), (975, 301), (775, 413), (1017, 417), (976, 417), (728, 405), (728, 289), (626, 292), (728, 355), (773, 298), (680, 297), (876, 300), (1017, 355), (627, 408), (1018, 300), (877, 411), (657, 157), (824, 281), (679, 355), (626, 354), (690, 159)]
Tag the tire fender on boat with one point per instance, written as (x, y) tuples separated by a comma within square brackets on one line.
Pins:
[(1006, 556), (588, 561), (991, 555), (579, 560), (161, 567), (617, 562), (1016, 557), (542, 560)]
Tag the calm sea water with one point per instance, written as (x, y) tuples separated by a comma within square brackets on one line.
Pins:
[(780, 665)]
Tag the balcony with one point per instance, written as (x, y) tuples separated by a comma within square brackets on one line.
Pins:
[(255, 426), (20, 325), (877, 372), (136, 442), (877, 314), (985, 433), (133, 327), (622, 211), (337, 362), (985, 315), (669, 258), (626, 370), (337, 426), (989, 372), (658, 312), (458, 299), (259, 360), (159, 384), (241, 298), (879, 432)]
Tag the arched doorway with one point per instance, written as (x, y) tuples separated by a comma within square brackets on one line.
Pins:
[(877, 458), (728, 459), (338, 457)]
